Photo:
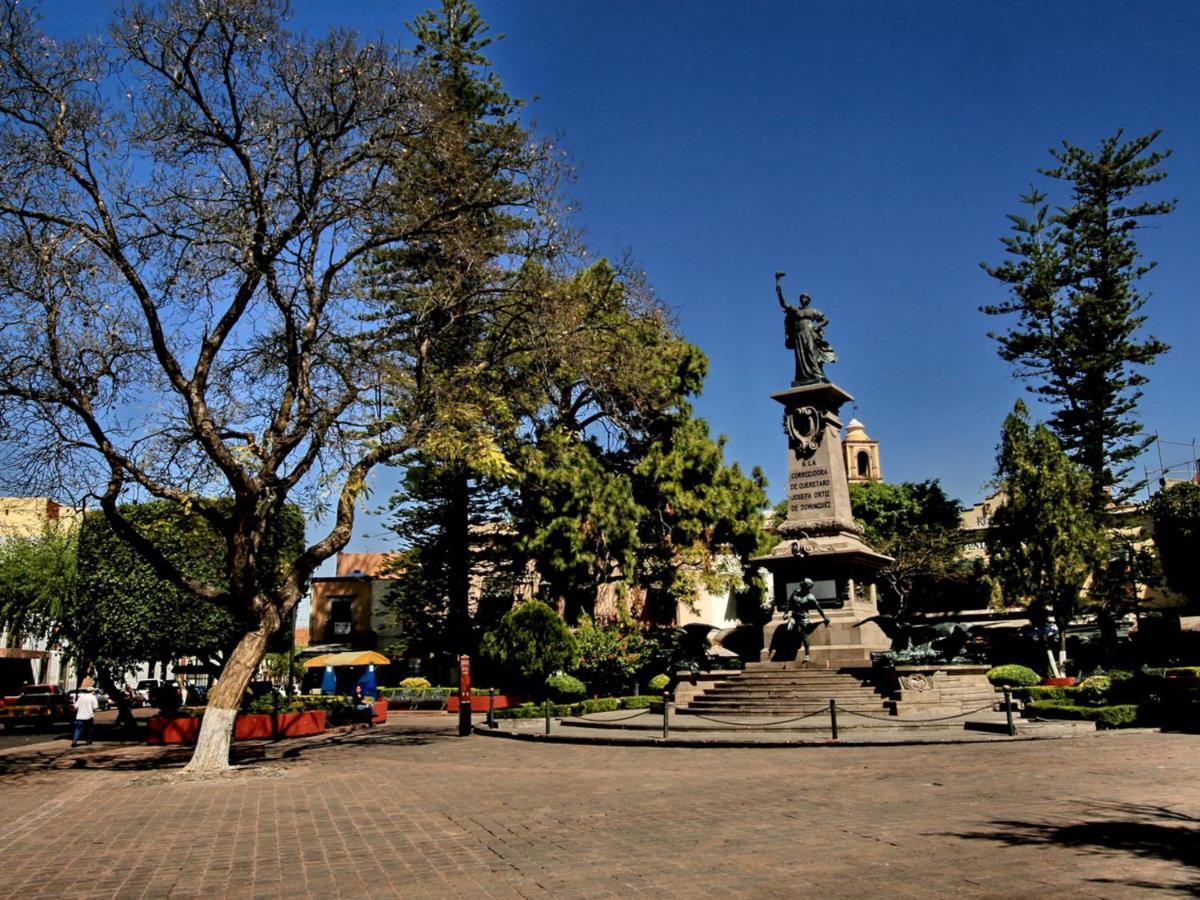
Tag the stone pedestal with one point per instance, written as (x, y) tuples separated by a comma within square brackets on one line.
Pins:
[(821, 540)]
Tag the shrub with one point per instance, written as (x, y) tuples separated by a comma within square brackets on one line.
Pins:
[(601, 704), (658, 683), (530, 642), (565, 688), (1095, 689), (1013, 675), (414, 683), (1119, 716), (612, 655), (534, 711), (1047, 692), (642, 702)]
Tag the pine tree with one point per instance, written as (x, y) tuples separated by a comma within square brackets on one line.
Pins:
[(1073, 283)]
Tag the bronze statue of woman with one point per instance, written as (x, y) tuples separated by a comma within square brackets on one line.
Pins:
[(804, 333)]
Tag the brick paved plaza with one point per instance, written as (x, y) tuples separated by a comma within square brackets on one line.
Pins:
[(409, 810)]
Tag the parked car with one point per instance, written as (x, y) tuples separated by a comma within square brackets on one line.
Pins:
[(102, 699), (37, 710)]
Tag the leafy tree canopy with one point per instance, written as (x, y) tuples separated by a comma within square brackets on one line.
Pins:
[(531, 642), (1043, 542), (1175, 511)]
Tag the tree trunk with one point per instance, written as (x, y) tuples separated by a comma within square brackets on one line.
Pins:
[(125, 715), (216, 728)]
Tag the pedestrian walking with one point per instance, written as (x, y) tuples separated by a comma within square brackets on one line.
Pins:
[(85, 714)]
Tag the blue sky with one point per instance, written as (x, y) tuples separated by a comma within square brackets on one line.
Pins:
[(871, 151)]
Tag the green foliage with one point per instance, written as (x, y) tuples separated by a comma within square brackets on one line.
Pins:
[(1175, 511), (531, 641), (611, 655), (1095, 690), (1043, 541), (414, 683), (1048, 692), (640, 702), (38, 582), (601, 704), (1122, 715), (1013, 675), (1073, 289), (125, 613), (917, 525), (565, 688), (285, 664), (659, 683)]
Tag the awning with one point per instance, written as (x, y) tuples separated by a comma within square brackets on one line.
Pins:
[(352, 658)]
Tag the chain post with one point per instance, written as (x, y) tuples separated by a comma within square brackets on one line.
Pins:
[(833, 717), (666, 714), (491, 715), (547, 715), (1012, 727)]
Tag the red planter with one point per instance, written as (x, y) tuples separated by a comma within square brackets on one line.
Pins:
[(246, 727), (380, 712), (1058, 682), (480, 704)]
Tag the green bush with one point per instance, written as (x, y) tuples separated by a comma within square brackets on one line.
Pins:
[(658, 683), (1013, 676), (565, 688), (530, 642), (536, 711), (1095, 690), (1122, 715), (641, 702), (414, 683), (601, 704), (1046, 692)]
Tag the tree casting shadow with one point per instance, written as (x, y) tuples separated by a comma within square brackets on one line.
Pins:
[(1115, 829)]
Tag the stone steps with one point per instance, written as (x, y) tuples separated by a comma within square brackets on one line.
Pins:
[(788, 689)]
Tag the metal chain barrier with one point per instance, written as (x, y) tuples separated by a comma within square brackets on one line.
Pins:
[(907, 720), (815, 712), (640, 712)]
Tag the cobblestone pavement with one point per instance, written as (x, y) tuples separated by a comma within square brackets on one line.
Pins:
[(410, 810)]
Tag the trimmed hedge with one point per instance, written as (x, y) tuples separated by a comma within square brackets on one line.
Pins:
[(595, 705), (601, 704), (1122, 715), (565, 688), (658, 683), (1013, 676)]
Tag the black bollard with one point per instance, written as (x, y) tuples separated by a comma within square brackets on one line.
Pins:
[(833, 717), (491, 716), (1012, 727), (547, 715), (666, 714)]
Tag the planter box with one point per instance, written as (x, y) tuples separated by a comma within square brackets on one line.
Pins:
[(247, 727), (1058, 682), (480, 704), (381, 708)]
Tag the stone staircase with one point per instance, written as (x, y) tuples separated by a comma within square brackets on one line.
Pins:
[(787, 689)]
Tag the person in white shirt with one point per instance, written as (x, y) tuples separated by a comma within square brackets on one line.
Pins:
[(85, 716)]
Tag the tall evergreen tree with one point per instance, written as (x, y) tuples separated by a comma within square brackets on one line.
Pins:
[(455, 305), (1074, 280)]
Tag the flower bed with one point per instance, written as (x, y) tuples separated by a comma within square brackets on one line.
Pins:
[(247, 727)]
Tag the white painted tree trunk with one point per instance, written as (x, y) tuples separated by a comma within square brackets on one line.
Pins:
[(216, 728)]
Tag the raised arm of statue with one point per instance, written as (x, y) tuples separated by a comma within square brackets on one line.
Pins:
[(779, 290)]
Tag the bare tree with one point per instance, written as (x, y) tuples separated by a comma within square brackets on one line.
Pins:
[(184, 213)]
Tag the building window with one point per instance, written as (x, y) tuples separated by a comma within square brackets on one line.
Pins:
[(864, 464), (341, 616)]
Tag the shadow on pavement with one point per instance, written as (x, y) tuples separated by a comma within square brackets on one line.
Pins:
[(1114, 829), (134, 755)]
